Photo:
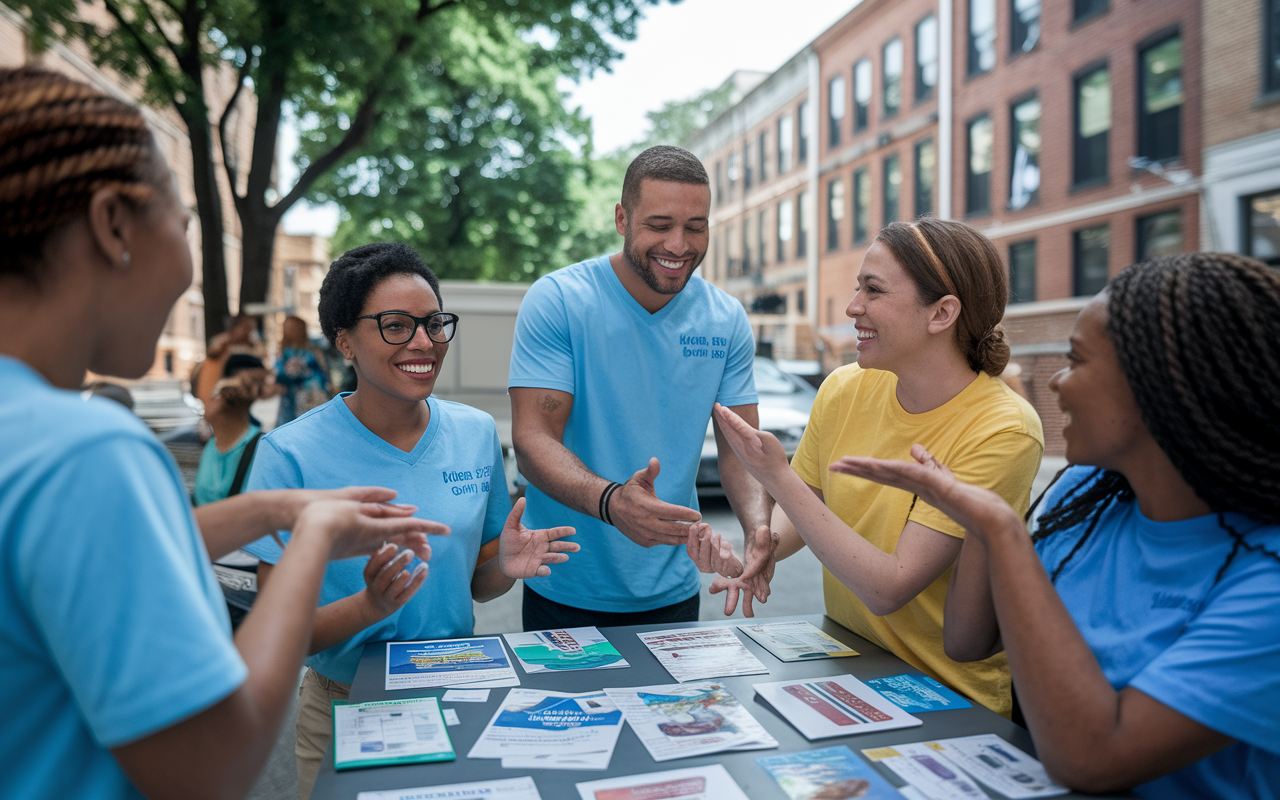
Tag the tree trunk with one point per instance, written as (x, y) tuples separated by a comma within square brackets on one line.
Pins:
[(258, 231), (209, 208)]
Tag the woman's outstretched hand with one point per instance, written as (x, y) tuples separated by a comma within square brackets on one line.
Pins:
[(525, 553), (359, 528), (759, 451)]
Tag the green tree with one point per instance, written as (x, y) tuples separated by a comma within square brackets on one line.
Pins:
[(341, 67)]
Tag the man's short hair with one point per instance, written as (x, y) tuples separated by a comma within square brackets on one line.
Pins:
[(661, 163)]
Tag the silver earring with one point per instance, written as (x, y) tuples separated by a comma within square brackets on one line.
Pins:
[(125, 259)]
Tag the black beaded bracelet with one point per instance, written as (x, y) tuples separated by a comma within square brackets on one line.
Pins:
[(604, 502)]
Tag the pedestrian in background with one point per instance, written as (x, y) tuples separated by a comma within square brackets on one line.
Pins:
[(301, 372), (240, 339)]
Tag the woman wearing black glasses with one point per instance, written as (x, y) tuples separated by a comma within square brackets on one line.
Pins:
[(380, 306)]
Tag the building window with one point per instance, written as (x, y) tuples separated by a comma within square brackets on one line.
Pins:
[(1160, 101), (1159, 235), (892, 188), (804, 226), (717, 250), (835, 212), (1022, 271), (748, 258), (1262, 227), (1024, 182), (764, 156), (1026, 25), (891, 62), (926, 57), (926, 161), (978, 166), (1091, 252), (1084, 9), (861, 94), (802, 152), (800, 301), (982, 36), (731, 263), (785, 219), (1093, 124), (835, 102), (719, 183), (760, 251), (733, 172), (784, 143), (861, 205), (1271, 47), (747, 173)]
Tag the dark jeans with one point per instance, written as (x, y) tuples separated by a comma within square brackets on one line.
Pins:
[(541, 614)]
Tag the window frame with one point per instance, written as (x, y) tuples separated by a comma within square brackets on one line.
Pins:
[(887, 187), (1014, 296), (1246, 226), (1141, 238), (970, 177), (1077, 256), (918, 170), (1094, 9), (802, 224), (859, 185), (923, 91), (789, 217), (1144, 119), (1018, 102), (973, 67), (833, 222), (885, 94), (785, 132), (862, 111), (762, 145), (834, 123), (802, 132), (1078, 143), (1270, 83), (1015, 21)]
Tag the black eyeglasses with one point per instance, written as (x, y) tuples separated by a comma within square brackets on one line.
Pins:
[(397, 327)]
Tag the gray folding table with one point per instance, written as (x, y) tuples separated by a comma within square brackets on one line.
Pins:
[(630, 756)]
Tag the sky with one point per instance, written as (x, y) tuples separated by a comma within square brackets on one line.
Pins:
[(680, 50)]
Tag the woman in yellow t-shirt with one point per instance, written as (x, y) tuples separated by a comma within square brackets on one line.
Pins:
[(930, 298)]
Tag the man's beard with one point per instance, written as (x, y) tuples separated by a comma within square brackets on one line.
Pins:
[(640, 264)]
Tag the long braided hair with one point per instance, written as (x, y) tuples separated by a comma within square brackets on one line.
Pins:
[(60, 141), (1198, 338)]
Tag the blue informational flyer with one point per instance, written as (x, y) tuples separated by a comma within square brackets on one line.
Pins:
[(830, 772), (448, 662), (915, 693)]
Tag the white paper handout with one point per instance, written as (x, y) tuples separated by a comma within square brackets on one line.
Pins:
[(698, 783), (695, 654), (926, 770), (534, 722), (797, 640), (599, 760), (466, 696), (986, 758), (564, 649), (480, 661), (508, 789), (837, 706), (684, 720), (389, 732)]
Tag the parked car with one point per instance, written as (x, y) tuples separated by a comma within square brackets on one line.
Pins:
[(785, 401)]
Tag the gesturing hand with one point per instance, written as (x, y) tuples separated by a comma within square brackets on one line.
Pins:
[(643, 518), (525, 553), (754, 582), (358, 529), (388, 585), (759, 451), (711, 551)]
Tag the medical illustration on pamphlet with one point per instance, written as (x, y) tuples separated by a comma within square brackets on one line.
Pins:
[(942, 769), (833, 772), (698, 783), (564, 649), (684, 720), (534, 728), (477, 662)]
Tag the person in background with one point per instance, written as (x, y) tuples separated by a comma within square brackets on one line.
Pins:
[(125, 686), (240, 339), (227, 456), (300, 371), (1142, 618)]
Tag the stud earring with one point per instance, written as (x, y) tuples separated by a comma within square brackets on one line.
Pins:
[(125, 259)]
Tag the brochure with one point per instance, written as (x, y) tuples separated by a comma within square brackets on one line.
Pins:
[(564, 649), (796, 641), (389, 732), (509, 789), (466, 696), (598, 760), (831, 772), (986, 758), (917, 693), (539, 723), (841, 706), (680, 721), (695, 654), (699, 783), (476, 662)]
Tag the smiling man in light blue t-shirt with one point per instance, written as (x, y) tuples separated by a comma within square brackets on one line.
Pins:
[(617, 364)]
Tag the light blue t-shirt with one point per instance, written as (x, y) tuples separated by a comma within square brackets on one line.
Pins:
[(217, 470), (112, 624), (1143, 594), (454, 475), (643, 385)]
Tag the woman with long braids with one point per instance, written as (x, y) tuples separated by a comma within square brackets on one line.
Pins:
[(1142, 620), (931, 294), (115, 646)]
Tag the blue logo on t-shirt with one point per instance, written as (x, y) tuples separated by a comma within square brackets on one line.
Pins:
[(703, 346)]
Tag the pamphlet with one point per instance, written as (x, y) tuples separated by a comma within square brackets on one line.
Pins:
[(466, 696), (796, 641), (695, 654), (552, 727), (698, 783), (476, 662), (841, 706), (986, 758), (389, 732), (831, 772), (684, 720), (508, 789), (451, 717), (564, 649), (917, 693)]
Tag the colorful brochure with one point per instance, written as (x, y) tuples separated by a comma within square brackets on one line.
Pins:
[(699, 783), (796, 641), (695, 654), (685, 720), (389, 732), (841, 706), (830, 772), (553, 730), (917, 693), (985, 758), (509, 789), (564, 649), (476, 662)]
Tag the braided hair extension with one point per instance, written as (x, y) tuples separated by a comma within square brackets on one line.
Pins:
[(60, 141), (1211, 408)]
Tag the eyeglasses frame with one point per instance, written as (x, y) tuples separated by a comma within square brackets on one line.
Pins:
[(418, 322)]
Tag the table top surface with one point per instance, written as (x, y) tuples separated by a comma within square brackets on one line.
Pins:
[(630, 756)]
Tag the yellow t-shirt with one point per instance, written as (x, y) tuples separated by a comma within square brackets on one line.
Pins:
[(987, 435)]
